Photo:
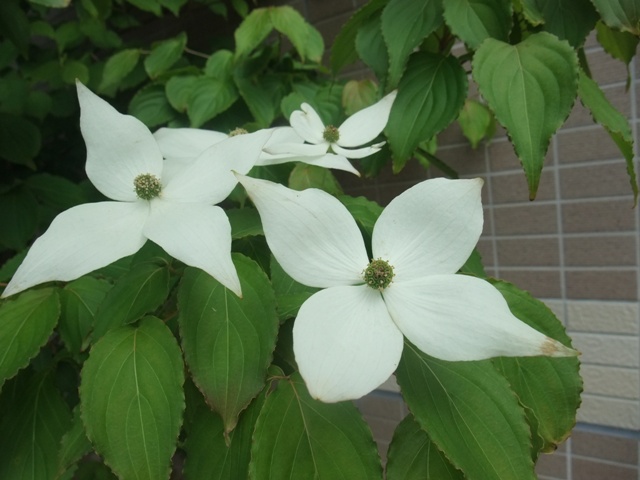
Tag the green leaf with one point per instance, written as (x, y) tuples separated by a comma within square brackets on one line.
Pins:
[(531, 88), (38, 104), (473, 265), (80, 300), (620, 45), (34, 421), (372, 49), (210, 97), (412, 455), (73, 70), (255, 248), (245, 222), (322, 440), (306, 176), (303, 36), (228, 342), (405, 23), (612, 120), (179, 89), (343, 51), (52, 3), (152, 6), (164, 55), (151, 107), (73, 446), (476, 122), (19, 140), (208, 454), (55, 192), (620, 14), (262, 95), (18, 217), (132, 399), (570, 20), (173, 5), (364, 211), (140, 291), (252, 31), (470, 413), (117, 67), (290, 295), (474, 20), (432, 92), (14, 25), (549, 388), (26, 322), (220, 65), (358, 94)]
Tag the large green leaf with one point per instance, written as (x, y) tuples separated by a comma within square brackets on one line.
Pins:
[(413, 456), (570, 20), (132, 400), (290, 295), (262, 95), (549, 388), (470, 413), (303, 36), (531, 88), (371, 47), (299, 437), (19, 140), (26, 322), (210, 454), (138, 292), (474, 20), (405, 23), (19, 217), (252, 31), (73, 446), (164, 55), (209, 97), (35, 417), (430, 95), (179, 89), (612, 120), (151, 107), (14, 25), (228, 341), (117, 67), (620, 14), (620, 45)]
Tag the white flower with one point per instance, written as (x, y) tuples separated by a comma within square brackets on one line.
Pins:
[(185, 143), (359, 129), (173, 207), (348, 338)]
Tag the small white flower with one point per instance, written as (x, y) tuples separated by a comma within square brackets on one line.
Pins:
[(346, 140), (174, 207), (348, 338), (186, 143)]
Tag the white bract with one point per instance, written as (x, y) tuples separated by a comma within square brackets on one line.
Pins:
[(186, 143), (348, 338), (170, 203), (347, 140)]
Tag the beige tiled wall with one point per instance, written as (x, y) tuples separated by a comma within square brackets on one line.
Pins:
[(576, 246)]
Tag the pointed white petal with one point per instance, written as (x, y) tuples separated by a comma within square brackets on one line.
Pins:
[(283, 135), (458, 317), (80, 240), (356, 152), (345, 343), (298, 149), (307, 123), (311, 234), (209, 178), (196, 234), (186, 142), (430, 228), (119, 147), (329, 160), (366, 124)]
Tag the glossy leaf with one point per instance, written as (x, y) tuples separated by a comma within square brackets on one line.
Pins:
[(570, 20), (220, 65), (471, 414), (209, 97), (132, 400), (73, 446), (245, 222), (612, 120), (531, 88), (228, 342), (252, 31), (32, 432), (549, 388), (620, 14), (474, 20), (432, 92), (151, 107), (117, 67), (319, 440), (179, 89), (164, 55), (80, 300), (262, 95), (302, 35), (371, 47), (137, 293), (26, 322), (412, 455)]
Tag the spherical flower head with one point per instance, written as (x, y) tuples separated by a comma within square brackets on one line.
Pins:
[(147, 186), (378, 274), (331, 134), (238, 131)]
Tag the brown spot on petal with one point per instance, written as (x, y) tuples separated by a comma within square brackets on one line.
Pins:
[(553, 348)]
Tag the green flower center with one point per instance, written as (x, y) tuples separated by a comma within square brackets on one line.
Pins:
[(331, 134), (147, 186), (378, 274), (237, 131)]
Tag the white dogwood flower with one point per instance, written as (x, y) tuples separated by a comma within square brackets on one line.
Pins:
[(346, 140), (185, 143), (173, 207), (348, 337)]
